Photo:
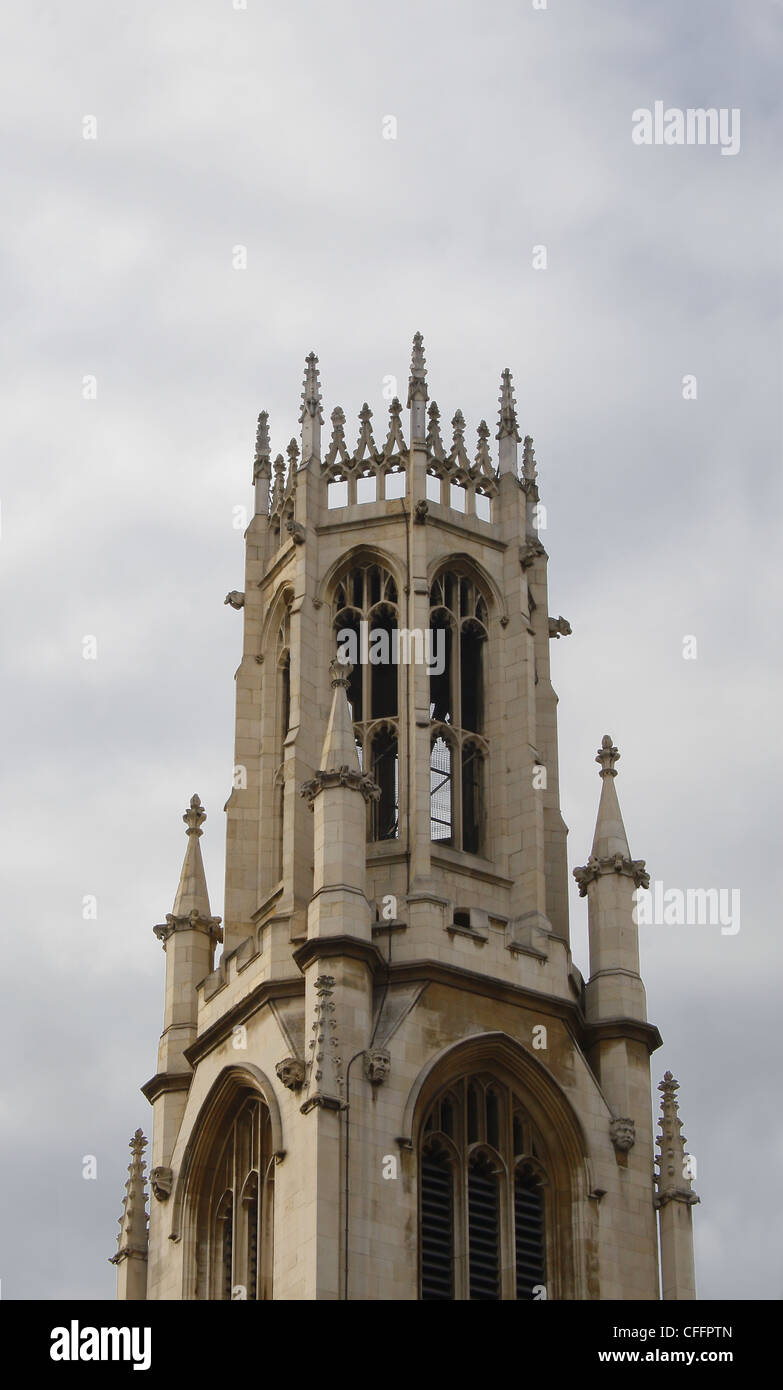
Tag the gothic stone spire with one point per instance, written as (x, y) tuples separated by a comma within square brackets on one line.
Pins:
[(417, 389), (311, 416), (508, 428), (610, 852)]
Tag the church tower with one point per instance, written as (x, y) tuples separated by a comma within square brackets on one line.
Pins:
[(396, 1083)]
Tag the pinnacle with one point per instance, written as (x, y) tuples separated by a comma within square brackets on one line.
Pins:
[(507, 424), (192, 895), (339, 750), (610, 837), (311, 395), (133, 1222), (417, 384)]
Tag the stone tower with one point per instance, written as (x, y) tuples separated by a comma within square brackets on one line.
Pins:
[(396, 1083)]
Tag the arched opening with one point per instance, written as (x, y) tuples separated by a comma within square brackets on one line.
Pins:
[(489, 1207), (459, 609), (364, 602), (231, 1204)]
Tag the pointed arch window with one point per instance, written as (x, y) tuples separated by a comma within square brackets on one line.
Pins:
[(282, 727), (484, 1228), (459, 617), (234, 1208), (365, 621)]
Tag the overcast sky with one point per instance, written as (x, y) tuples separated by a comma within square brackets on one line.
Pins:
[(219, 127)]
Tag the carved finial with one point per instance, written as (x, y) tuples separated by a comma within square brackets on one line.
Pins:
[(607, 756), (458, 460), (529, 472), (507, 425), (365, 444), (337, 449), (278, 489), (261, 466), (484, 463), (194, 818), (293, 457), (339, 672), (311, 395), (434, 442), (395, 443), (417, 384)]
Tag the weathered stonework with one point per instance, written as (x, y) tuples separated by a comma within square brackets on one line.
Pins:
[(393, 953)]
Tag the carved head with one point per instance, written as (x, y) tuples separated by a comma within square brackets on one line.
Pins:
[(160, 1182), (623, 1133), (377, 1065), (291, 1072)]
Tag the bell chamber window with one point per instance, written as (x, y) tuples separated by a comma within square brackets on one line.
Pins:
[(235, 1209), (482, 1197), (365, 608), (282, 726), (458, 749)]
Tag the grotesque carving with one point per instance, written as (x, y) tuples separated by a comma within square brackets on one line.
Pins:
[(559, 627), (291, 1072), (296, 531), (235, 598), (623, 1133), (420, 513), (377, 1065), (160, 1182)]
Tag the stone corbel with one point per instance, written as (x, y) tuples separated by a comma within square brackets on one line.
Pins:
[(160, 1181), (291, 1072), (622, 1131), (377, 1065)]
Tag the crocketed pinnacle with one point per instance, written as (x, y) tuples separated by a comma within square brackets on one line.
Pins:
[(261, 464), (417, 383), (674, 1177), (508, 426), (311, 395), (132, 1239)]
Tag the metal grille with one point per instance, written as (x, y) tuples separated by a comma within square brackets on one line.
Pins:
[(440, 791), (484, 1235), (437, 1229), (529, 1234)]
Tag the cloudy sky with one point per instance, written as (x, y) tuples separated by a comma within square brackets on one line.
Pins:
[(263, 127)]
